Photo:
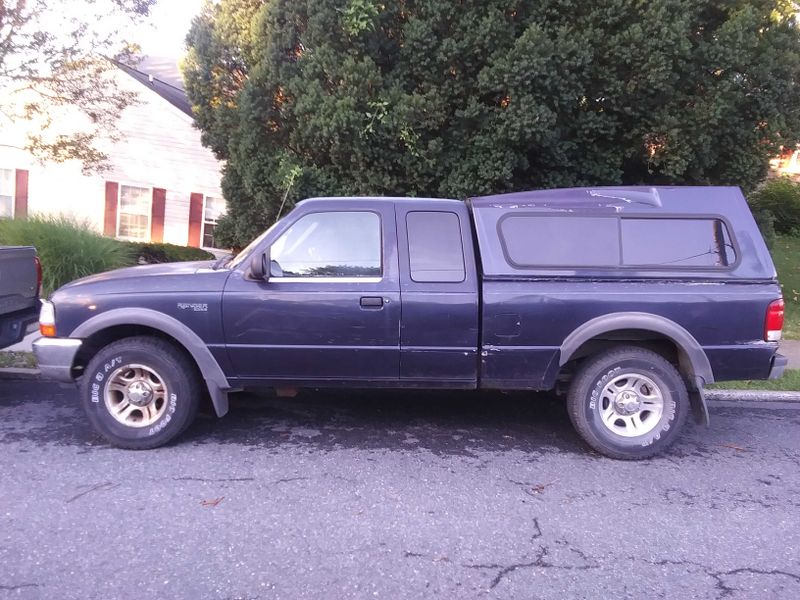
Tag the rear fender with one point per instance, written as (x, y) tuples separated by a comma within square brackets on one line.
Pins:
[(694, 364)]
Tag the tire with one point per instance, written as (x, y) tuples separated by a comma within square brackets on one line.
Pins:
[(152, 386), (628, 403)]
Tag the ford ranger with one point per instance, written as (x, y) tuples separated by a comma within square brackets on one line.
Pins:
[(630, 299)]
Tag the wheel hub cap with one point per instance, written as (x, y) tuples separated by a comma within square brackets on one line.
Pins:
[(631, 405), (136, 395), (627, 403), (140, 393)]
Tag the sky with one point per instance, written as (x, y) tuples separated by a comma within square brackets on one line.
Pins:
[(164, 32)]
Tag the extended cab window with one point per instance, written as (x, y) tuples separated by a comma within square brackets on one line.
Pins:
[(549, 241), (676, 242), (329, 244), (435, 251)]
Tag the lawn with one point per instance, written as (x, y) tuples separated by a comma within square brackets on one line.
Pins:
[(17, 360), (786, 255), (790, 382)]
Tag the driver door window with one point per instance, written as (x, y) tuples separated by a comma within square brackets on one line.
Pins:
[(330, 245)]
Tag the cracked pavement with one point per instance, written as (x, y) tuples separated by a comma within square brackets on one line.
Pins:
[(394, 495)]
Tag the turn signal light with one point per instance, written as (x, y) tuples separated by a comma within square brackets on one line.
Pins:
[(774, 321), (47, 319)]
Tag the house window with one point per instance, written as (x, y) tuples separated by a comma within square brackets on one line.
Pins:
[(6, 193), (135, 204), (213, 209)]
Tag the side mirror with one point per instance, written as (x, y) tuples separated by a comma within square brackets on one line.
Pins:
[(258, 265)]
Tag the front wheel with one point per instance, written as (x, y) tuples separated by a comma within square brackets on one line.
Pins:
[(140, 392), (628, 403)]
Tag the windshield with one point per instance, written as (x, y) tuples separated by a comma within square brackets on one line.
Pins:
[(245, 254)]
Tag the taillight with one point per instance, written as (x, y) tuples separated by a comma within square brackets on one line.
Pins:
[(774, 321), (38, 264)]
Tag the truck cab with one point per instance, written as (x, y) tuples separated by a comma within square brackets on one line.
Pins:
[(369, 292)]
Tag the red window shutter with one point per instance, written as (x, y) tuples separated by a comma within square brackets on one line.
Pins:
[(195, 219), (21, 194), (159, 206), (112, 195)]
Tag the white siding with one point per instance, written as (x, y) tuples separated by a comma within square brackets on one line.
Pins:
[(158, 146), (176, 218), (56, 189)]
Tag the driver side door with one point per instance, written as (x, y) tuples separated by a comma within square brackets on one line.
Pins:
[(329, 313)]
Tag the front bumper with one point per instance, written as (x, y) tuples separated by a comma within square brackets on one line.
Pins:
[(55, 357), (779, 362)]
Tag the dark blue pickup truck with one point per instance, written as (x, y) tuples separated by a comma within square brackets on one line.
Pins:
[(631, 299)]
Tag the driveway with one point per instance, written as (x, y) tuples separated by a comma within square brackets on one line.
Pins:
[(394, 495)]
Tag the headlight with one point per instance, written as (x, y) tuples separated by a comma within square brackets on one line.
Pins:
[(47, 319)]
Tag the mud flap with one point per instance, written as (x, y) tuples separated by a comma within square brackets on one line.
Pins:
[(697, 398), (219, 398)]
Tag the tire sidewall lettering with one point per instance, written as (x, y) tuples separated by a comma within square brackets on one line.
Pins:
[(167, 417)]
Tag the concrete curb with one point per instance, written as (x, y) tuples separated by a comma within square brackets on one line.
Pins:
[(721, 395), (13, 373), (752, 396)]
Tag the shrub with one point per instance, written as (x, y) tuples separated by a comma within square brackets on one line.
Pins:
[(766, 224), (67, 248), (163, 253), (781, 198)]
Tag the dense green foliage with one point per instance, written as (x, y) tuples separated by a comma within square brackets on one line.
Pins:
[(766, 224), (164, 253), (778, 199), (69, 249), (447, 98)]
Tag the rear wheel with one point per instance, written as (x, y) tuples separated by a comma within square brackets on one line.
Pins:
[(628, 403), (140, 392)]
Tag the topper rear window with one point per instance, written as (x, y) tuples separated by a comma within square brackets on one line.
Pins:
[(536, 240), (676, 243), (565, 241)]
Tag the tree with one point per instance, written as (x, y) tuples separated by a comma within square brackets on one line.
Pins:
[(454, 98), (52, 59)]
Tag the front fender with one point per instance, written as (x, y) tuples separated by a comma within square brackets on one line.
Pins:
[(217, 383)]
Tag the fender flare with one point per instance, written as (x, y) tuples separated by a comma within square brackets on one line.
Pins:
[(692, 353), (216, 381)]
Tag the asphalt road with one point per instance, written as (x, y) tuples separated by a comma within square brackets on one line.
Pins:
[(380, 495)]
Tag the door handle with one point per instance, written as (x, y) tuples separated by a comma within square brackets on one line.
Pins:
[(371, 302)]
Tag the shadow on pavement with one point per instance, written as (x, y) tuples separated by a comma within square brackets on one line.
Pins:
[(446, 423)]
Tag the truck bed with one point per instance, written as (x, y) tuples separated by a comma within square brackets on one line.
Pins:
[(19, 292)]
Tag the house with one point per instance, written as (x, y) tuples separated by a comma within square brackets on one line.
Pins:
[(787, 164), (162, 184)]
